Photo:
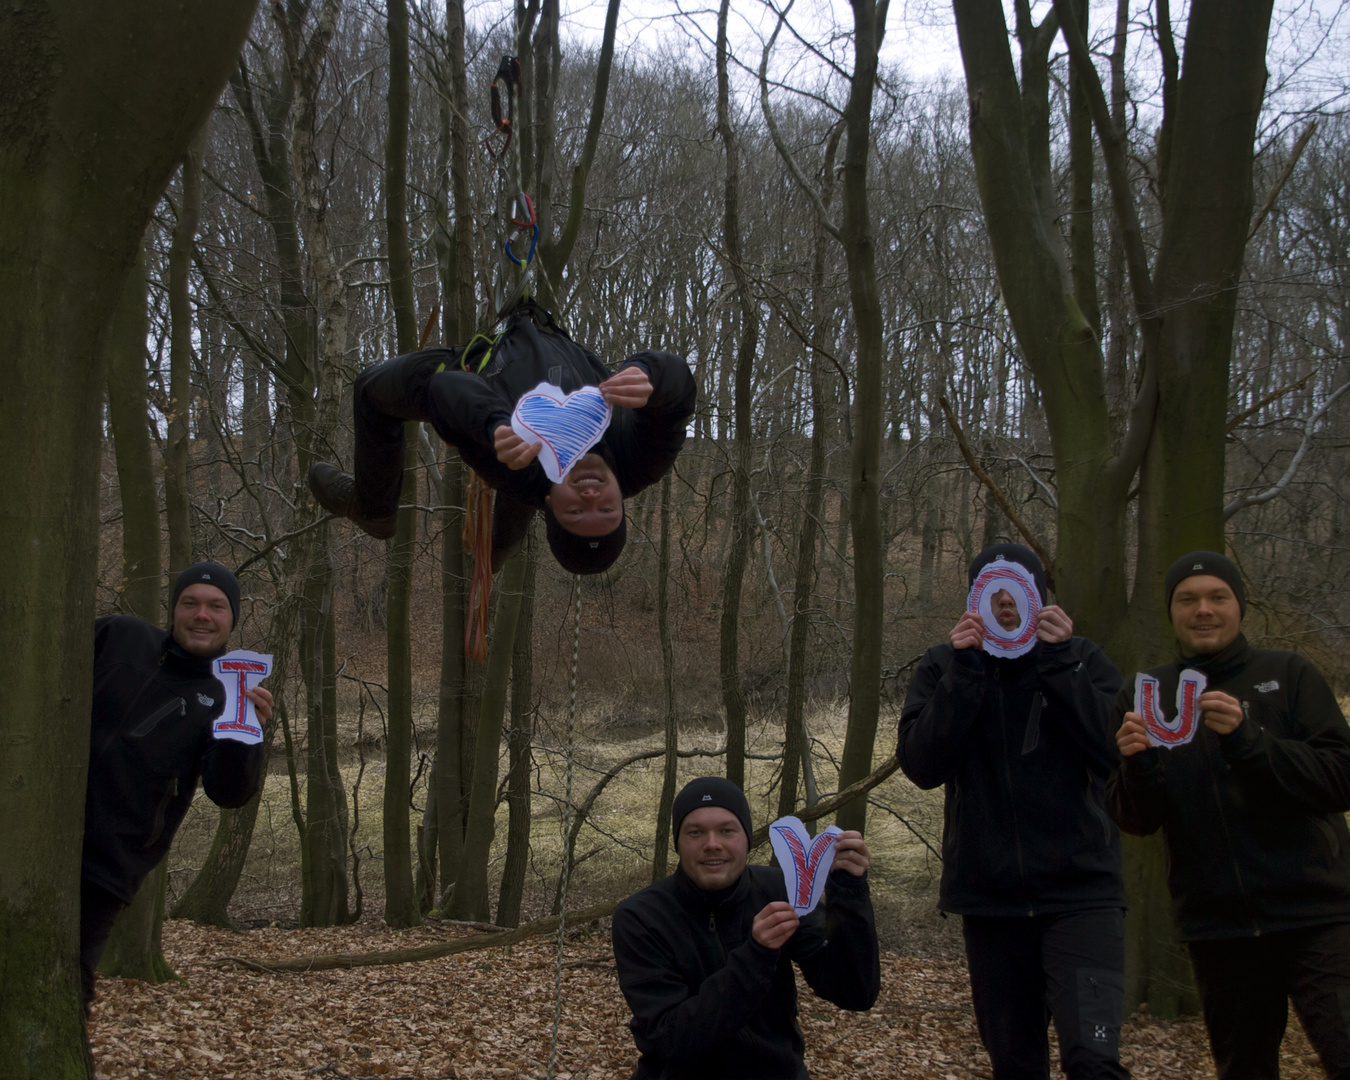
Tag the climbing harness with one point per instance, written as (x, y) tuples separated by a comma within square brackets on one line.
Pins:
[(566, 829)]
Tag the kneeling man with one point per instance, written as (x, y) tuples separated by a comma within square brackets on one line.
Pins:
[(705, 955)]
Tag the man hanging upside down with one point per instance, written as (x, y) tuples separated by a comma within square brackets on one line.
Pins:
[(652, 396)]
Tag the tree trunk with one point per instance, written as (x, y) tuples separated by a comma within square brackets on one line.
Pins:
[(864, 489), (176, 498), (107, 100), (520, 760), (733, 699), (669, 774), (469, 900), (400, 899)]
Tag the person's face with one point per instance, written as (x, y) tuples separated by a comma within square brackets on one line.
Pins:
[(712, 847), (1205, 615), (202, 620), (588, 501), (1004, 609)]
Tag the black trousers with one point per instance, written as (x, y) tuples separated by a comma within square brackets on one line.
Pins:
[(1245, 988), (98, 912), (383, 398), (1069, 968)]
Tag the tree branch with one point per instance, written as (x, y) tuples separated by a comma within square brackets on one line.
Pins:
[(1004, 504), (776, 135), (1275, 489), (1285, 173)]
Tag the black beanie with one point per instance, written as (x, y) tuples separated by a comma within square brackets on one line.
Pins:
[(1205, 562), (1011, 553), (208, 573), (584, 554), (709, 791)]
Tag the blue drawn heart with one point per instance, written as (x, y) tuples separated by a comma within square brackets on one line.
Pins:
[(567, 424)]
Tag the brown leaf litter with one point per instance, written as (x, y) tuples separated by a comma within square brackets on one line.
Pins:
[(490, 1013)]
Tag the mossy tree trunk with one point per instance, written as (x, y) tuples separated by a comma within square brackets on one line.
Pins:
[(1184, 303), (102, 102)]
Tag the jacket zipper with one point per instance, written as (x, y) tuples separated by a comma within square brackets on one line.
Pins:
[(151, 722), (1007, 771), (1228, 836)]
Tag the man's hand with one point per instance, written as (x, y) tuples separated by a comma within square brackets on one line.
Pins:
[(513, 451), (1132, 738), (851, 854), (629, 387), (262, 702), (775, 924), (1222, 712), (1053, 624), (968, 633)]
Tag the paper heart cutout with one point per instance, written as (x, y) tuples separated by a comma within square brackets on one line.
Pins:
[(1161, 731), (1018, 580), (567, 424), (239, 671), (805, 860)]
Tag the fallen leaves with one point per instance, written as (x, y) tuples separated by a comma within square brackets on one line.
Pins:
[(490, 1014)]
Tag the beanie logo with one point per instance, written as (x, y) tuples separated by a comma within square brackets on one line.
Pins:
[(1198, 566), (707, 798), (595, 544), (1267, 687), (206, 577)]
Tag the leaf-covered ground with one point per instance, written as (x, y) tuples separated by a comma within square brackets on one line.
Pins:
[(489, 1013)]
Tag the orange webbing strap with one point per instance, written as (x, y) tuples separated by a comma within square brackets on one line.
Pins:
[(478, 539)]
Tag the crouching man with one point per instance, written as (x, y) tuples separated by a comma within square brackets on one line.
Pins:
[(705, 955)]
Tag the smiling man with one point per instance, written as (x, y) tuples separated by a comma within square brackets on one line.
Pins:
[(705, 955), (1253, 812), (468, 396), (152, 737)]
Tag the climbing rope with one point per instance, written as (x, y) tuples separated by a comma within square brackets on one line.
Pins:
[(566, 830)]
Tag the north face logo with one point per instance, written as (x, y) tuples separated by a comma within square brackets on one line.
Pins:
[(1267, 687), (206, 701)]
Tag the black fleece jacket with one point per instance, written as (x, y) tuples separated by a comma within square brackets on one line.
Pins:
[(709, 1001), (1024, 749), (1254, 820), (150, 741)]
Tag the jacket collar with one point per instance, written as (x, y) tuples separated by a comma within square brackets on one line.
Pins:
[(1217, 665), (180, 659), (700, 899)]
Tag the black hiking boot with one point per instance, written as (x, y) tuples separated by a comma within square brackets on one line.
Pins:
[(336, 492)]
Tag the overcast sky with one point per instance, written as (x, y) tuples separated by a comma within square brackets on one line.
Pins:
[(1309, 58)]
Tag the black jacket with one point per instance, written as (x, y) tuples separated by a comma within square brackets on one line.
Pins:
[(1024, 748), (640, 445), (150, 740), (709, 1001), (1254, 820)]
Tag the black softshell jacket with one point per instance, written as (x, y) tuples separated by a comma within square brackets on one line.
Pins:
[(640, 445), (709, 1001), (1254, 820), (150, 740), (1024, 748)]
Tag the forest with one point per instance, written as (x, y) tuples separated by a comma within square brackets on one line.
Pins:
[(1090, 298)]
